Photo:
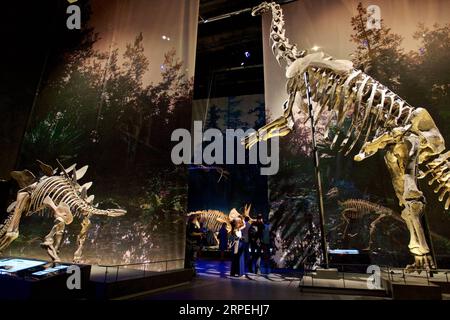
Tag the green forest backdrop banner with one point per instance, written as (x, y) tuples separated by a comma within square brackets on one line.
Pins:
[(111, 101)]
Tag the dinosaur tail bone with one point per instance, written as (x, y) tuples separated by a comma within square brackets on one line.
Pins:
[(439, 171), (9, 227)]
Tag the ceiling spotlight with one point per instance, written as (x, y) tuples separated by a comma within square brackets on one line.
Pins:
[(242, 63), (247, 54), (168, 39), (164, 37)]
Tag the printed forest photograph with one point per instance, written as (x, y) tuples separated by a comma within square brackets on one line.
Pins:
[(109, 98)]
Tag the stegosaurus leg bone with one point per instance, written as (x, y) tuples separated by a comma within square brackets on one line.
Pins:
[(85, 225), (63, 216), (53, 239)]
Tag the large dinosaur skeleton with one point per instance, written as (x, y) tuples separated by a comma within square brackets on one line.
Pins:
[(380, 120), (58, 193)]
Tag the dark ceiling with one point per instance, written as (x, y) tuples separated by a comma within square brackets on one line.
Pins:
[(221, 48), (222, 69)]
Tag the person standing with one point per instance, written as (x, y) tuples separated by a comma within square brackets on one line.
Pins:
[(202, 243), (223, 240), (255, 238), (237, 261), (267, 245), (193, 238), (245, 241)]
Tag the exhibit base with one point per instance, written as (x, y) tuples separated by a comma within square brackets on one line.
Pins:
[(416, 286), (132, 282), (392, 283), (331, 281), (331, 273), (31, 279)]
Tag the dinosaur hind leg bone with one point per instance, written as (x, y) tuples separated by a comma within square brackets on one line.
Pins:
[(85, 225), (401, 160), (63, 216), (372, 229)]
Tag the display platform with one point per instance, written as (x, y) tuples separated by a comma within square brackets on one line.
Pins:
[(416, 286), (127, 282), (394, 283), (344, 283), (23, 278)]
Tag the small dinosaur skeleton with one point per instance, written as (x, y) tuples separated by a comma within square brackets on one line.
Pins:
[(379, 120), (356, 209), (62, 196), (213, 219)]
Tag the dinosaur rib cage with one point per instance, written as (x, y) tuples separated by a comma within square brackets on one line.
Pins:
[(60, 189), (372, 108), (211, 219), (439, 171), (357, 208)]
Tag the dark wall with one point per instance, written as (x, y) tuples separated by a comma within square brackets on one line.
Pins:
[(35, 37), (26, 35)]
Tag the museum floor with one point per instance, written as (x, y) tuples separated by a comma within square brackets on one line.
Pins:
[(213, 283)]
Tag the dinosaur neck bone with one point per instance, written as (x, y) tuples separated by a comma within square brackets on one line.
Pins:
[(282, 49)]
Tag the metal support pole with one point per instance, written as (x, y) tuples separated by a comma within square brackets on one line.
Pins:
[(317, 171)]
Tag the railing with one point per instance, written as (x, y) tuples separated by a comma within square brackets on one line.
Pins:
[(418, 276), (136, 270)]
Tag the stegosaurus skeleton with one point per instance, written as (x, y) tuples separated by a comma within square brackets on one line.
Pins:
[(380, 119), (64, 197)]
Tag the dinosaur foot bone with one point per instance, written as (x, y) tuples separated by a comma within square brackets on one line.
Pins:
[(51, 251), (422, 263)]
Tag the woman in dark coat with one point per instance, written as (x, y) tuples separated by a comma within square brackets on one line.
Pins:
[(223, 240), (237, 261)]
